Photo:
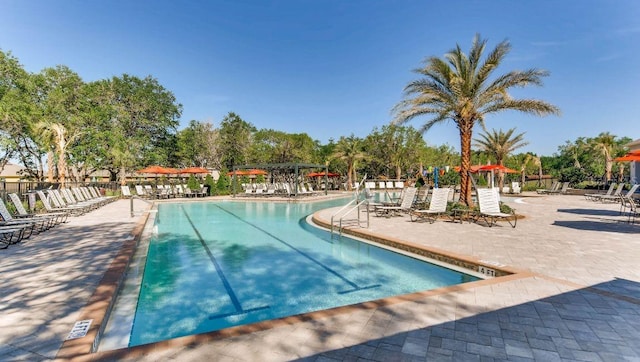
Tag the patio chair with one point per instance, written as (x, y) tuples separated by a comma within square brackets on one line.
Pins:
[(634, 209), (10, 235), (34, 224), (614, 197), (594, 197), (561, 190), (437, 207), (57, 217), (627, 199), (126, 192), (75, 211), (490, 208), (553, 188), (405, 205), (515, 188)]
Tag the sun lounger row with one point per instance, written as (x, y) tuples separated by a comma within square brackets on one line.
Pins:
[(278, 189), (383, 185), (163, 191), (414, 203), (556, 189), (17, 227)]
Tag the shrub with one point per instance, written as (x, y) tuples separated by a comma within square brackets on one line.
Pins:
[(222, 186), (193, 183), (211, 185)]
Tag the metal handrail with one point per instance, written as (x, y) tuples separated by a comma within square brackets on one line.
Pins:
[(339, 211), (356, 206), (139, 198)]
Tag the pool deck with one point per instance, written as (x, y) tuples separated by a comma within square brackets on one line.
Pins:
[(574, 294)]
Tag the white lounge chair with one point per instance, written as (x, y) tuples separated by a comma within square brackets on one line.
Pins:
[(405, 205), (438, 206), (596, 196), (490, 208)]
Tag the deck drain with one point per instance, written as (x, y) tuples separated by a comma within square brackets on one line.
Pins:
[(80, 329)]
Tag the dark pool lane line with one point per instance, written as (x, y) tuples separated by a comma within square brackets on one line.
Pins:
[(223, 278), (354, 286)]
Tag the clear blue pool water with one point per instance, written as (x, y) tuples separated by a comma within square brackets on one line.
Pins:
[(220, 264)]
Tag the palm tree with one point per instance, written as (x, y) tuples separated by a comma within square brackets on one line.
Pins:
[(349, 149), (531, 158), (458, 88), (605, 143), (500, 145), (57, 134)]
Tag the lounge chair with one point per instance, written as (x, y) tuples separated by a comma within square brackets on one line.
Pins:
[(399, 184), (632, 204), (490, 208), (45, 201), (594, 197), (141, 192), (381, 185), (422, 198), (437, 207), (515, 188), (10, 235), (614, 197), (126, 192), (57, 217), (561, 190), (627, 199), (553, 188), (405, 205), (34, 224)]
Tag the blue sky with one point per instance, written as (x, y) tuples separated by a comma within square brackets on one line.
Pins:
[(332, 68)]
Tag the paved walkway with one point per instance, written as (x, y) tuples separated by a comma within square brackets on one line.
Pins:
[(577, 297)]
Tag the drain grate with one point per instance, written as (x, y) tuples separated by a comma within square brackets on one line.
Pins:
[(80, 329)]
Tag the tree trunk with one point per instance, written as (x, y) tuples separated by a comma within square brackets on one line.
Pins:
[(62, 161), (50, 159), (123, 176), (465, 162), (398, 172), (349, 176)]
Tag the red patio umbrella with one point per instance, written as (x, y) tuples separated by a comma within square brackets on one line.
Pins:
[(238, 173), (628, 157), (194, 170), (256, 172), (497, 168), (158, 170)]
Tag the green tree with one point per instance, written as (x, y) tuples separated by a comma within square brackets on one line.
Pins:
[(605, 144), (235, 140), (198, 145), (349, 149), (459, 88), (141, 123), (500, 145), (14, 105)]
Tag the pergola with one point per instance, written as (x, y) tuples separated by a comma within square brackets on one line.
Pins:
[(295, 167)]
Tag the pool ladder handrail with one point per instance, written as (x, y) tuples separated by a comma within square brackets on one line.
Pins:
[(138, 198), (355, 207)]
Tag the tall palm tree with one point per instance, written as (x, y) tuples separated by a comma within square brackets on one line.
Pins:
[(349, 149), (59, 136), (531, 158), (605, 143), (500, 145), (458, 88)]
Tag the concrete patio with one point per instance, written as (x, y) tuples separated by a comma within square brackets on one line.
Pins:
[(574, 296)]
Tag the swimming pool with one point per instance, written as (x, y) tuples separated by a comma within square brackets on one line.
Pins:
[(213, 265)]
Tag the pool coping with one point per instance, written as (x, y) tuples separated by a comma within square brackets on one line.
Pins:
[(102, 300)]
